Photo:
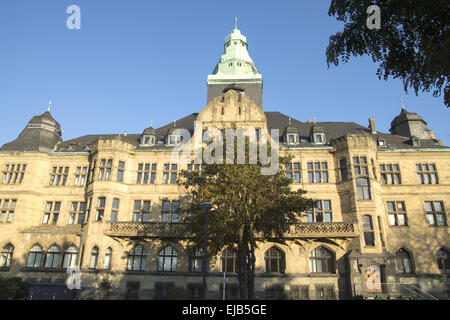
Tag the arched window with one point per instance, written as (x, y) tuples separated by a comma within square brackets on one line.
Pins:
[(108, 256), (228, 260), (404, 264), (275, 260), (321, 260), (6, 256), (94, 258), (168, 259), (196, 260), (442, 260), (136, 259), (52, 257), (35, 257), (70, 257)]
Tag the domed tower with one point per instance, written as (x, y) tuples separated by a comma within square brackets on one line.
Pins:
[(408, 124), (41, 134), (236, 70)]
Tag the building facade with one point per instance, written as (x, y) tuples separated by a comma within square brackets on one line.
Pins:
[(109, 204)]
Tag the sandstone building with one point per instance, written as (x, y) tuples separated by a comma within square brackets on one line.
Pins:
[(109, 204)]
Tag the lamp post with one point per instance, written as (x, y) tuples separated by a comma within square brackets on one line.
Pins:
[(206, 206)]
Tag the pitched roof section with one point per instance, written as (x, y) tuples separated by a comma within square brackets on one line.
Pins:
[(275, 120)]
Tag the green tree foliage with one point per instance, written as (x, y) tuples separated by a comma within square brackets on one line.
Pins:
[(413, 43), (13, 289), (246, 206)]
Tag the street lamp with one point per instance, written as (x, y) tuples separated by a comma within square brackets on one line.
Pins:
[(206, 206)]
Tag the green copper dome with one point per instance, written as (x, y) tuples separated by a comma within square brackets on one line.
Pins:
[(236, 61), (235, 69)]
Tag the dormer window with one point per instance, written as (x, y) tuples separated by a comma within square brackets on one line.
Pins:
[(381, 143), (173, 139), (148, 140), (319, 138), (292, 138), (416, 142)]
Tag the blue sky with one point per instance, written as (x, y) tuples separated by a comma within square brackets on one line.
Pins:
[(135, 61)]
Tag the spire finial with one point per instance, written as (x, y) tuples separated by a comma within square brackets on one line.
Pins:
[(235, 22), (289, 120), (175, 123), (314, 119), (401, 101), (151, 124), (49, 105)]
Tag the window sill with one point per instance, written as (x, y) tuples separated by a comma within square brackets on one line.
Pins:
[(273, 274), (322, 275), (56, 270)]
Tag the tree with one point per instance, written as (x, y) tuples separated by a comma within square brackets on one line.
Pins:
[(13, 289), (246, 206), (413, 42)]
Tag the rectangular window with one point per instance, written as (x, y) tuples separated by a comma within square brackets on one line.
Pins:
[(170, 211), (7, 210), (360, 166), (195, 290), (80, 176), (115, 210), (381, 231), (58, 176), (427, 173), (77, 213), (274, 291), (325, 292), (397, 213), (390, 174), (100, 210), (299, 292), (120, 170), (317, 172), (369, 237), (231, 291), (194, 167), (170, 173), (51, 213), (321, 212), (146, 173), (363, 188), (141, 210), (105, 169), (292, 171), (435, 213), (13, 173)]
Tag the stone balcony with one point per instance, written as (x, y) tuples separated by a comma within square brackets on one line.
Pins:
[(324, 230), (146, 229), (176, 230)]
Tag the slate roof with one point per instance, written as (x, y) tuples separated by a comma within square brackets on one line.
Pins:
[(275, 120), (41, 134)]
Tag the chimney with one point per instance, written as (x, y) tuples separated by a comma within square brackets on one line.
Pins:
[(309, 121), (373, 129)]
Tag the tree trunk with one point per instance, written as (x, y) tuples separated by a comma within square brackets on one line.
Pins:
[(242, 265), (251, 263)]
